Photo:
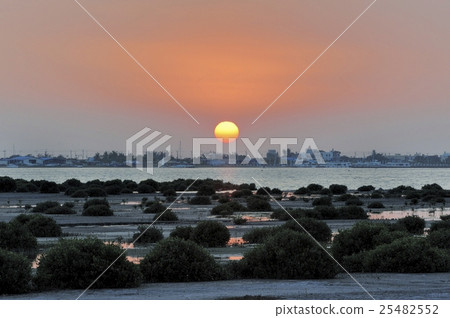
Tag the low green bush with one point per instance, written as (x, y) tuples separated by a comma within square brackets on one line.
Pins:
[(361, 237), (147, 235), (17, 238), (113, 190), (211, 234), (154, 207), (318, 229), (338, 189), (182, 232), (75, 264), (206, 190), (257, 203), (413, 224), (242, 193), (169, 192), (70, 205), (326, 212), (322, 201), (7, 184), (96, 192), (43, 206), (228, 208), (440, 238), (366, 188), (239, 221), (60, 210), (354, 201), (49, 187), (258, 235), (376, 205), (177, 260), (79, 194), (145, 188), (376, 195), (276, 191), (314, 188), (281, 214), (98, 210), (301, 191), (15, 273), (200, 200), (352, 212), (407, 255), (440, 225), (167, 216), (288, 255), (263, 191), (39, 225), (92, 202)]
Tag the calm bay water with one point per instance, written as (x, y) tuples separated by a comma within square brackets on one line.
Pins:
[(283, 178)]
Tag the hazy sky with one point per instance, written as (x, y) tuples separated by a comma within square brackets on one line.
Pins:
[(385, 84)]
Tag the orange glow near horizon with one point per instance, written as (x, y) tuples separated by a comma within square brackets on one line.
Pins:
[(226, 131)]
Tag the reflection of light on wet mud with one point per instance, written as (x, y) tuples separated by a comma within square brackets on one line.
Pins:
[(34, 264), (135, 259), (235, 241), (126, 245), (123, 245), (235, 257), (427, 214), (256, 218)]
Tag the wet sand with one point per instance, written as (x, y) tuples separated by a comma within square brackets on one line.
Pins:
[(380, 286)]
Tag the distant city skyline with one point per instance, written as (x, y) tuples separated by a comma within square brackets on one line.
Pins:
[(65, 85)]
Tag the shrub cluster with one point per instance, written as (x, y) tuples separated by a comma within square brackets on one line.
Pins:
[(39, 225), (154, 207), (166, 216), (7, 184), (322, 201), (17, 238), (406, 255), (75, 264), (228, 208), (200, 200), (177, 260), (97, 207), (211, 234), (182, 232), (53, 207), (15, 273), (338, 189), (287, 255), (318, 229), (147, 235), (258, 203), (376, 205)]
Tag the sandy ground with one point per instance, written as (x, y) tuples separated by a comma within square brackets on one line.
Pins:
[(380, 286)]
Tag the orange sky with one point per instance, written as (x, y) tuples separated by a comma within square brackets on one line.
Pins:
[(383, 85)]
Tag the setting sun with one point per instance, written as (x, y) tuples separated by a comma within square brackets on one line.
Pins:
[(226, 131)]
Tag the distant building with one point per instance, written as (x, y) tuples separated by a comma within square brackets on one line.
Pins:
[(445, 156), (272, 157), (23, 161), (331, 156)]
